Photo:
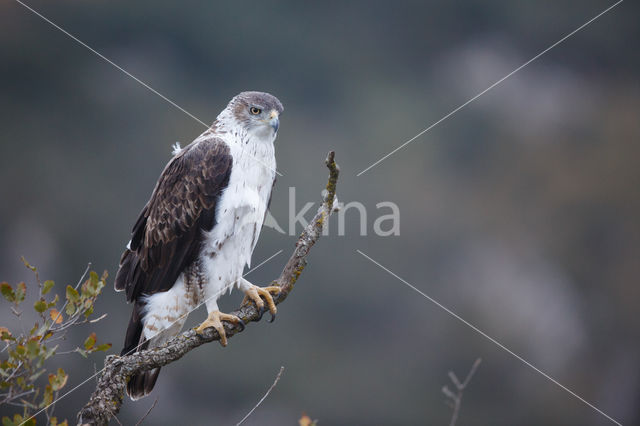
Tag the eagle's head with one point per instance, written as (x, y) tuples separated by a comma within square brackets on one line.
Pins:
[(257, 113)]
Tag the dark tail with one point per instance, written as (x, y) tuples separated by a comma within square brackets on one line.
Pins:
[(140, 385)]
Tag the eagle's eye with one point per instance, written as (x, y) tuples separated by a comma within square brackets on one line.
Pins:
[(255, 111)]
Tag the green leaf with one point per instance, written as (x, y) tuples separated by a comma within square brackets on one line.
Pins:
[(88, 312), (21, 382), (47, 397), (33, 349), (103, 347), (58, 380), (7, 292), (100, 286), (71, 309), (5, 334), (91, 288), (18, 420), (72, 294), (21, 350), (40, 306), (48, 284), (6, 421), (21, 291), (54, 422), (91, 340)]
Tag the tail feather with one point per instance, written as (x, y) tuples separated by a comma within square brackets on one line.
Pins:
[(141, 384), (134, 330)]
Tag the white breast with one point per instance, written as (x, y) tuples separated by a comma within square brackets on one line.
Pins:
[(228, 246), (239, 215)]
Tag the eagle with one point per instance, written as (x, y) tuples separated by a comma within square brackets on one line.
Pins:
[(198, 230)]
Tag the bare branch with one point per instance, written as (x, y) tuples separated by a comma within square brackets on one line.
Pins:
[(455, 399), (106, 400), (471, 373), (275, 382), (455, 380), (148, 411)]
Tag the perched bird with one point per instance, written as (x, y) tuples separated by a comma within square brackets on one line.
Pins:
[(195, 235)]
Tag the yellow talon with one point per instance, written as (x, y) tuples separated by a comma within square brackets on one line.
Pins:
[(214, 319), (254, 293)]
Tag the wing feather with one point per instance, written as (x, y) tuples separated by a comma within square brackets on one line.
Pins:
[(168, 235)]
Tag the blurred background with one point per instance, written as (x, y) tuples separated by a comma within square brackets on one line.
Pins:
[(520, 213)]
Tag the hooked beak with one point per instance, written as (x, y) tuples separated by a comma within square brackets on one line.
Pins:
[(274, 121)]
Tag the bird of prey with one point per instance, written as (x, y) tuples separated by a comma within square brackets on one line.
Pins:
[(198, 230)]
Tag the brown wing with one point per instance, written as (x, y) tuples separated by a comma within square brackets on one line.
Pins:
[(168, 235)]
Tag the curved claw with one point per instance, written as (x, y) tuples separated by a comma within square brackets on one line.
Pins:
[(255, 294), (241, 324), (264, 309), (261, 311)]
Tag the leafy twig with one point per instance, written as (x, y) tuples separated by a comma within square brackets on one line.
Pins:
[(24, 370)]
